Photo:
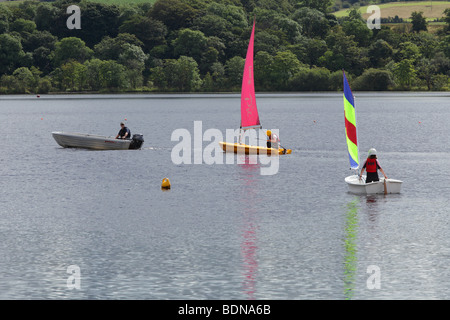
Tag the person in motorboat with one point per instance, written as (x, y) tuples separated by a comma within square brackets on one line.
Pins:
[(372, 166), (273, 141), (124, 132)]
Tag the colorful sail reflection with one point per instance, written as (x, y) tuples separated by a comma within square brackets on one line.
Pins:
[(350, 125)]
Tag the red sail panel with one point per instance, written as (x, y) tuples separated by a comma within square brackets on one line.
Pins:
[(249, 111)]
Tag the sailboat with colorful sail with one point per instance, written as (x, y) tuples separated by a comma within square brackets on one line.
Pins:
[(355, 184), (249, 111)]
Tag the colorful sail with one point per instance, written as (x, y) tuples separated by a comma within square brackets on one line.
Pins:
[(249, 111), (350, 125)]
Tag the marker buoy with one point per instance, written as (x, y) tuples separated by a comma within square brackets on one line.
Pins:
[(165, 184)]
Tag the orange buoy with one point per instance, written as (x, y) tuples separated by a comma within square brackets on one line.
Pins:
[(165, 184)]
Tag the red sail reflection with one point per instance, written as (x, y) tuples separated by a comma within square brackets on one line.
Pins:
[(249, 245)]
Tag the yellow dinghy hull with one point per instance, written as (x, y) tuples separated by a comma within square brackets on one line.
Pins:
[(246, 149)]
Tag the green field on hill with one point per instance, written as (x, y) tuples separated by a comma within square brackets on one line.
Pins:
[(116, 2), (431, 9), (119, 2)]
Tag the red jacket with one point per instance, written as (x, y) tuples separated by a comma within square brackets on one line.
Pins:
[(371, 165)]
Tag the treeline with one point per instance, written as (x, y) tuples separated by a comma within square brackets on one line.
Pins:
[(200, 45)]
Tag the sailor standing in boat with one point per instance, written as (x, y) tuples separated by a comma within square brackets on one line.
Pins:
[(272, 139), (124, 132), (372, 166)]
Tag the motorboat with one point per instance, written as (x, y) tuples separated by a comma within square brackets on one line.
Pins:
[(96, 142)]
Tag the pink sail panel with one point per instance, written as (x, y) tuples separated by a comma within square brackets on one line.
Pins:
[(249, 111)]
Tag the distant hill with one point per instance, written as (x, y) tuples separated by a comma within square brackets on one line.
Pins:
[(431, 9)]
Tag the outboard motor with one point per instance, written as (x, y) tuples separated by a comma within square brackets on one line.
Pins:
[(137, 141)]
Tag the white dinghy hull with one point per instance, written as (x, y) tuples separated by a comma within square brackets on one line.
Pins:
[(95, 142), (360, 187)]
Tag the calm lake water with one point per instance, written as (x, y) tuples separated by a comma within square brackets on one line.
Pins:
[(223, 231)]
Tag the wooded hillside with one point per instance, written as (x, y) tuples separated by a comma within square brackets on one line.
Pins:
[(200, 45)]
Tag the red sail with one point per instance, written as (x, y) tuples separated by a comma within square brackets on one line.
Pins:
[(249, 111)]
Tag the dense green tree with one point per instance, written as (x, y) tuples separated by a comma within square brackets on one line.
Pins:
[(151, 32), (447, 20), (93, 74), (233, 70), (315, 79), (284, 66), (98, 20), (262, 62), (112, 75), (380, 53), (23, 27), (358, 28), (133, 58), (11, 53), (321, 5), (39, 39), (445, 46), (441, 63), (405, 72), (409, 51), (373, 80), (313, 22), (235, 16), (25, 80), (315, 49), (5, 18), (335, 81), (175, 14), (46, 17), (218, 73), (425, 72), (44, 85), (177, 74), (289, 28), (265, 41), (419, 23), (71, 48), (386, 34), (111, 48), (343, 53), (27, 10), (427, 43), (190, 43), (9, 84), (73, 76)]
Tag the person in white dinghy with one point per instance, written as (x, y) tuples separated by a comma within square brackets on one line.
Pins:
[(372, 166)]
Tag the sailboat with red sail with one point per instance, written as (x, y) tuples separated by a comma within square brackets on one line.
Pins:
[(249, 111)]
